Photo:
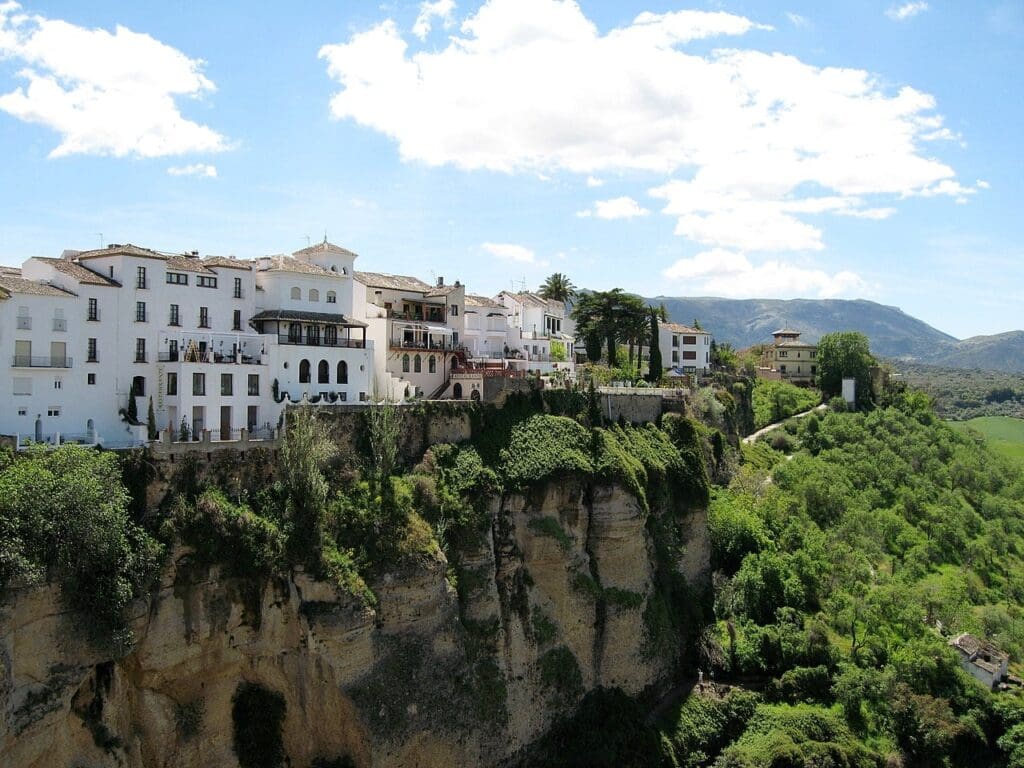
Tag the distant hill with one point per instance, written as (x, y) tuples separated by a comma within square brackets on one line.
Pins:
[(892, 332)]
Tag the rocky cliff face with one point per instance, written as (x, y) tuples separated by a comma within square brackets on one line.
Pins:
[(551, 604)]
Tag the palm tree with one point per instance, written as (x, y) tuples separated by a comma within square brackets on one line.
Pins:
[(558, 287)]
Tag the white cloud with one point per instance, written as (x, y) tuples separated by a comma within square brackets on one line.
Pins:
[(196, 169), (104, 93), (510, 252), (907, 10), (726, 273), (745, 144), (593, 181), (439, 9), (616, 208), (797, 20), (981, 184)]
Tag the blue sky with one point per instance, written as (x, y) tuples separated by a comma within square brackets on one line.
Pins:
[(868, 149)]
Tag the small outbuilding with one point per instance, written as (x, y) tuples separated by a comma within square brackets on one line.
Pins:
[(981, 659)]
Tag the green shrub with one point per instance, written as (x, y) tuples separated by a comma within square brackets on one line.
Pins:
[(560, 673), (777, 400), (549, 526)]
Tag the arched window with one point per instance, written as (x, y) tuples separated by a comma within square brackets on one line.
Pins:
[(296, 293), (323, 373), (304, 372), (405, 363), (457, 391), (332, 297), (342, 372), (314, 294), (139, 386), (432, 364), (417, 364)]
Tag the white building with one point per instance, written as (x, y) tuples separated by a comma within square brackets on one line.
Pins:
[(490, 336), (685, 348), (417, 330), (547, 333)]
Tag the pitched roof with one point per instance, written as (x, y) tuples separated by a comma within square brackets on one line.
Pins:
[(971, 645), (282, 263), (5, 270), (310, 317), (786, 332), (11, 284), (79, 272), (475, 300), (228, 263), (188, 264), (443, 290), (325, 247), (123, 250), (795, 343), (393, 282), (679, 328)]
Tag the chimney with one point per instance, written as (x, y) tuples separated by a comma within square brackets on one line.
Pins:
[(194, 254), (458, 284), (440, 281), (263, 263)]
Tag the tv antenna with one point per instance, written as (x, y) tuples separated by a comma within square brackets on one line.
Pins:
[(100, 236)]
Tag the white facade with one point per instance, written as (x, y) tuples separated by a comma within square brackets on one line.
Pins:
[(541, 323), (490, 335), (684, 347)]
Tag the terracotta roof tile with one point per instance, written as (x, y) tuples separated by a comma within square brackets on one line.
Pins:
[(188, 264), (474, 300), (226, 262), (393, 282), (123, 250), (79, 272), (281, 263), (325, 247), (679, 328), (12, 284)]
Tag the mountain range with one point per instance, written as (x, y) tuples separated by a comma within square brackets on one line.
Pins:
[(892, 332)]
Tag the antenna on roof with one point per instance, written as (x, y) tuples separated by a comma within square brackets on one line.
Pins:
[(100, 235)]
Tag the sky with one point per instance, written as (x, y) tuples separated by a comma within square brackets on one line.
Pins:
[(741, 149)]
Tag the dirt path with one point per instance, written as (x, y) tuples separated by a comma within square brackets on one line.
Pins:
[(751, 438)]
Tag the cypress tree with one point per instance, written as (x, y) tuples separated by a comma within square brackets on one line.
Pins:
[(654, 372)]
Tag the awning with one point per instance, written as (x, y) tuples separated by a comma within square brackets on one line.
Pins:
[(438, 329), (307, 317)]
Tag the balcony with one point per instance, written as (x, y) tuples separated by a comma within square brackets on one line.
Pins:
[(432, 344), (24, 323), (320, 341), (208, 357), (29, 361)]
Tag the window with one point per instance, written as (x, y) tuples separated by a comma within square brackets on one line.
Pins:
[(323, 373), (782, 369), (254, 385), (205, 281), (138, 386), (140, 277), (304, 372), (23, 386), (198, 383), (432, 364), (176, 278), (227, 384), (295, 333), (342, 372), (296, 293), (689, 339), (675, 341), (417, 364), (90, 379), (675, 356), (172, 349), (58, 383), (237, 293), (91, 352), (455, 310), (140, 311), (783, 353), (236, 320), (689, 354), (332, 297), (405, 363), (140, 350), (175, 318), (53, 411), (330, 335), (23, 411), (314, 294), (204, 317), (94, 310), (172, 384)]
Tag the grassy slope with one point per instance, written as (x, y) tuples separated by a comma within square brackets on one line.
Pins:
[(1004, 433)]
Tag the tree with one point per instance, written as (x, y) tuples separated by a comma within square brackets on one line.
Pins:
[(384, 427), (133, 408), (151, 430), (724, 356), (655, 366), (558, 287), (609, 317), (845, 355), (307, 449)]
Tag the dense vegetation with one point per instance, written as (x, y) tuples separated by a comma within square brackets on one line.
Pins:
[(967, 394), (778, 400)]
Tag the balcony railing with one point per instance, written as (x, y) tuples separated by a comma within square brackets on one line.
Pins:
[(424, 344), (419, 317), (29, 361), (60, 324), (208, 357), (320, 341), (24, 323)]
